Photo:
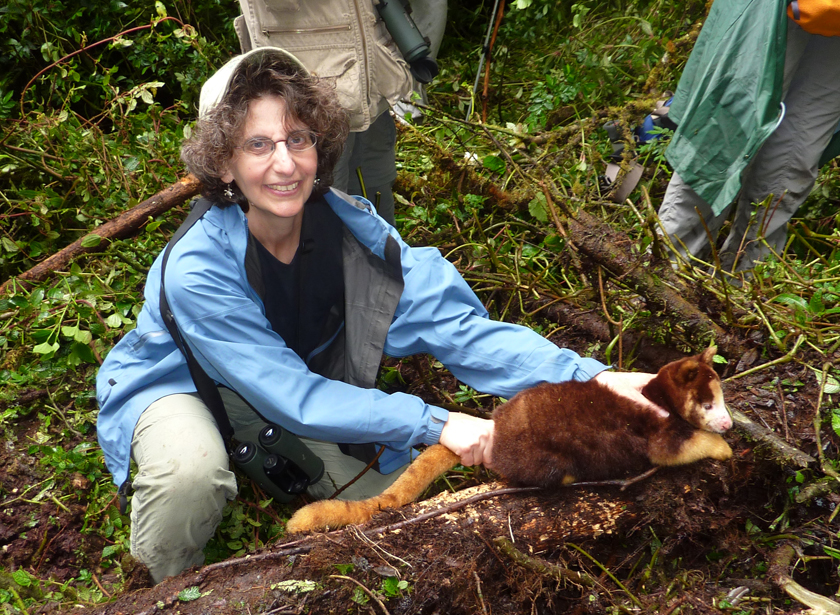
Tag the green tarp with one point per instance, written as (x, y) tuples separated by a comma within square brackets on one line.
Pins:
[(728, 99)]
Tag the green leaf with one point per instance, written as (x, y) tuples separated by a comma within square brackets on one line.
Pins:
[(190, 594), (41, 335), (81, 353), (9, 245), (114, 321), (390, 587), (495, 164), (835, 420), (794, 300), (538, 208), (832, 386), (295, 586), (816, 305), (91, 241), (719, 359), (344, 569), (359, 596), (46, 348), (69, 331), (22, 577)]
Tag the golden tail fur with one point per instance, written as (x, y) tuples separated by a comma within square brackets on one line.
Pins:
[(332, 514)]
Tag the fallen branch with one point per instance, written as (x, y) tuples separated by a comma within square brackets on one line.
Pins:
[(783, 452), (603, 245), (124, 225)]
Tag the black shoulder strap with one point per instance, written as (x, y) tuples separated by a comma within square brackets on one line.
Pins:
[(203, 383)]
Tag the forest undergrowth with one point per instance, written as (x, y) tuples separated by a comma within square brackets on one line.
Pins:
[(503, 173)]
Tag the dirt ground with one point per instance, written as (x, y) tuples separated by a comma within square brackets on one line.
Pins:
[(695, 539)]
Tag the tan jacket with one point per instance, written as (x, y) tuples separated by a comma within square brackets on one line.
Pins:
[(343, 41)]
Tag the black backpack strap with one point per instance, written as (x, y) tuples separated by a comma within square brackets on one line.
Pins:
[(203, 383)]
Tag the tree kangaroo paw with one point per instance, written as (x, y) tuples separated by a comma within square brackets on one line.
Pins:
[(701, 445)]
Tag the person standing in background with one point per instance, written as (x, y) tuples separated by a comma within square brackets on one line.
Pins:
[(757, 110), (347, 43)]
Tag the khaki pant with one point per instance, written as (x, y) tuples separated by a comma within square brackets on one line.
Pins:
[(372, 151), (183, 479)]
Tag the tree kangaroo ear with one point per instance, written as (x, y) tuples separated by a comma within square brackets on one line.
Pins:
[(708, 356), (687, 372)]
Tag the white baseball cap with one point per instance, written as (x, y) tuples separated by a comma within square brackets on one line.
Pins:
[(216, 86)]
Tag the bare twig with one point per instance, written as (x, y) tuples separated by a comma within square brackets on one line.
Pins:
[(783, 359), (606, 571), (480, 594), (826, 467), (89, 47), (360, 474), (370, 594)]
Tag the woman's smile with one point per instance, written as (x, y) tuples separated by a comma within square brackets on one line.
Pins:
[(276, 182)]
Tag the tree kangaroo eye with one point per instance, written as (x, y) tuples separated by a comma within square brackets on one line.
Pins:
[(707, 406)]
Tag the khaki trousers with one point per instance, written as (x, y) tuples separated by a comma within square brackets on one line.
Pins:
[(183, 478), (372, 151)]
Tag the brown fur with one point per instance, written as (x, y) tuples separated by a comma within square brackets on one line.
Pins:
[(558, 434)]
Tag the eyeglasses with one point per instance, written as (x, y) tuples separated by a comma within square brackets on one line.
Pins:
[(296, 141)]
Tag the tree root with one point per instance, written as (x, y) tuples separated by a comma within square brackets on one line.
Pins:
[(540, 566), (780, 563)]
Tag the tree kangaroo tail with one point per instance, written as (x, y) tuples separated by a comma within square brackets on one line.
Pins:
[(332, 514)]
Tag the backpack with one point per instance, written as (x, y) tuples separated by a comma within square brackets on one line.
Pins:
[(816, 16)]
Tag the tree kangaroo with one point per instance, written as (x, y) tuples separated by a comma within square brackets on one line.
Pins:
[(559, 434)]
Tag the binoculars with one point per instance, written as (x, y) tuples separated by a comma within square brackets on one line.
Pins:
[(279, 463), (414, 46)]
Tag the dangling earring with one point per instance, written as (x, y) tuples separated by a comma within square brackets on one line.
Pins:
[(228, 193)]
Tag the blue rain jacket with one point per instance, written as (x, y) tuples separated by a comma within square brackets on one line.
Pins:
[(222, 318)]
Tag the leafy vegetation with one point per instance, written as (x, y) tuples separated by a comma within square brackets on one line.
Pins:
[(94, 101)]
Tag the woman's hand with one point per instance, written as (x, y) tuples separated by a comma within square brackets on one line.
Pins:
[(630, 385), (469, 437)]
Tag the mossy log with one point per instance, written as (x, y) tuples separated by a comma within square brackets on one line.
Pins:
[(124, 225), (606, 247)]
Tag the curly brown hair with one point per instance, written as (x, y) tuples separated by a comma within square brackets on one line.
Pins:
[(313, 103)]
